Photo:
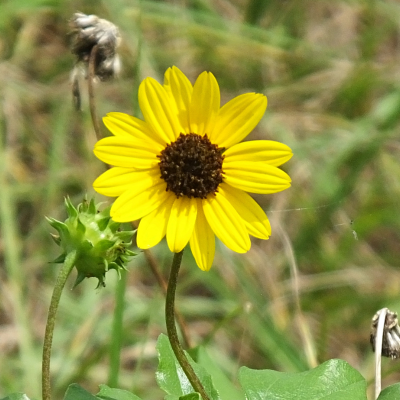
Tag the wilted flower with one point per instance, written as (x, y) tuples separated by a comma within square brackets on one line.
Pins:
[(94, 236), (391, 334), (89, 31)]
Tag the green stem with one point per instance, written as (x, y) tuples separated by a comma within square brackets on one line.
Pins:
[(51, 319), (171, 328), (116, 341)]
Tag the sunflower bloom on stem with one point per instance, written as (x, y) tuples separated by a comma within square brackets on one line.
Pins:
[(183, 171)]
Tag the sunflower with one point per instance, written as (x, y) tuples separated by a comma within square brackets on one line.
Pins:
[(182, 170)]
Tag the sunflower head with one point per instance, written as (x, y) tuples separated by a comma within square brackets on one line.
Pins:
[(96, 239), (183, 171)]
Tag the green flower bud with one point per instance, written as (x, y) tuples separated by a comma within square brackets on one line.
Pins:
[(96, 239)]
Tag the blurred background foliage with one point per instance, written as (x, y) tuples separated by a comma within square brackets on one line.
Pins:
[(330, 70)]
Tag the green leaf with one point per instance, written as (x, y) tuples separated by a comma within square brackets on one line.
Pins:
[(171, 378), (191, 396), (16, 396), (390, 393), (75, 392), (226, 389), (333, 380), (107, 393)]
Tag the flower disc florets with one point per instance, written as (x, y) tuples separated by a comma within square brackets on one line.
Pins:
[(94, 236), (192, 166)]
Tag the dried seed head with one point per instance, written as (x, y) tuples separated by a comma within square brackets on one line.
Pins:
[(89, 31), (391, 334)]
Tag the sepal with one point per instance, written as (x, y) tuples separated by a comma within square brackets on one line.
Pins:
[(71, 210), (79, 278), (56, 238), (102, 223), (125, 236), (60, 259), (105, 244), (80, 226), (61, 228)]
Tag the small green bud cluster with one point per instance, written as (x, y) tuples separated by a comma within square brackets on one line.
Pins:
[(95, 238)]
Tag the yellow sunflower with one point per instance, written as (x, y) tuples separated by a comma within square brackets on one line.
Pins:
[(183, 172)]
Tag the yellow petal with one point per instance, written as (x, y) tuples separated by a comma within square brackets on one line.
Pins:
[(202, 241), (237, 118), (120, 124), (205, 104), (153, 226), (254, 217), (138, 202), (273, 153), (181, 223), (179, 90), (226, 223), (157, 111), (122, 151), (256, 177), (118, 180)]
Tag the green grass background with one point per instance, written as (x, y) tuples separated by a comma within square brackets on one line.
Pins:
[(331, 72)]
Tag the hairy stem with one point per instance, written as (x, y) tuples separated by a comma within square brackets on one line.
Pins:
[(171, 328), (163, 285), (51, 318)]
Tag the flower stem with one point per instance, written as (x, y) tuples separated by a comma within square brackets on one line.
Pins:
[(117, 331), (378, 350), (51, 318), (163, 285), (171, 328), (92, 103)]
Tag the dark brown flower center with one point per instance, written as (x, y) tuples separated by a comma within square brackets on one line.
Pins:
[(192, 166)]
